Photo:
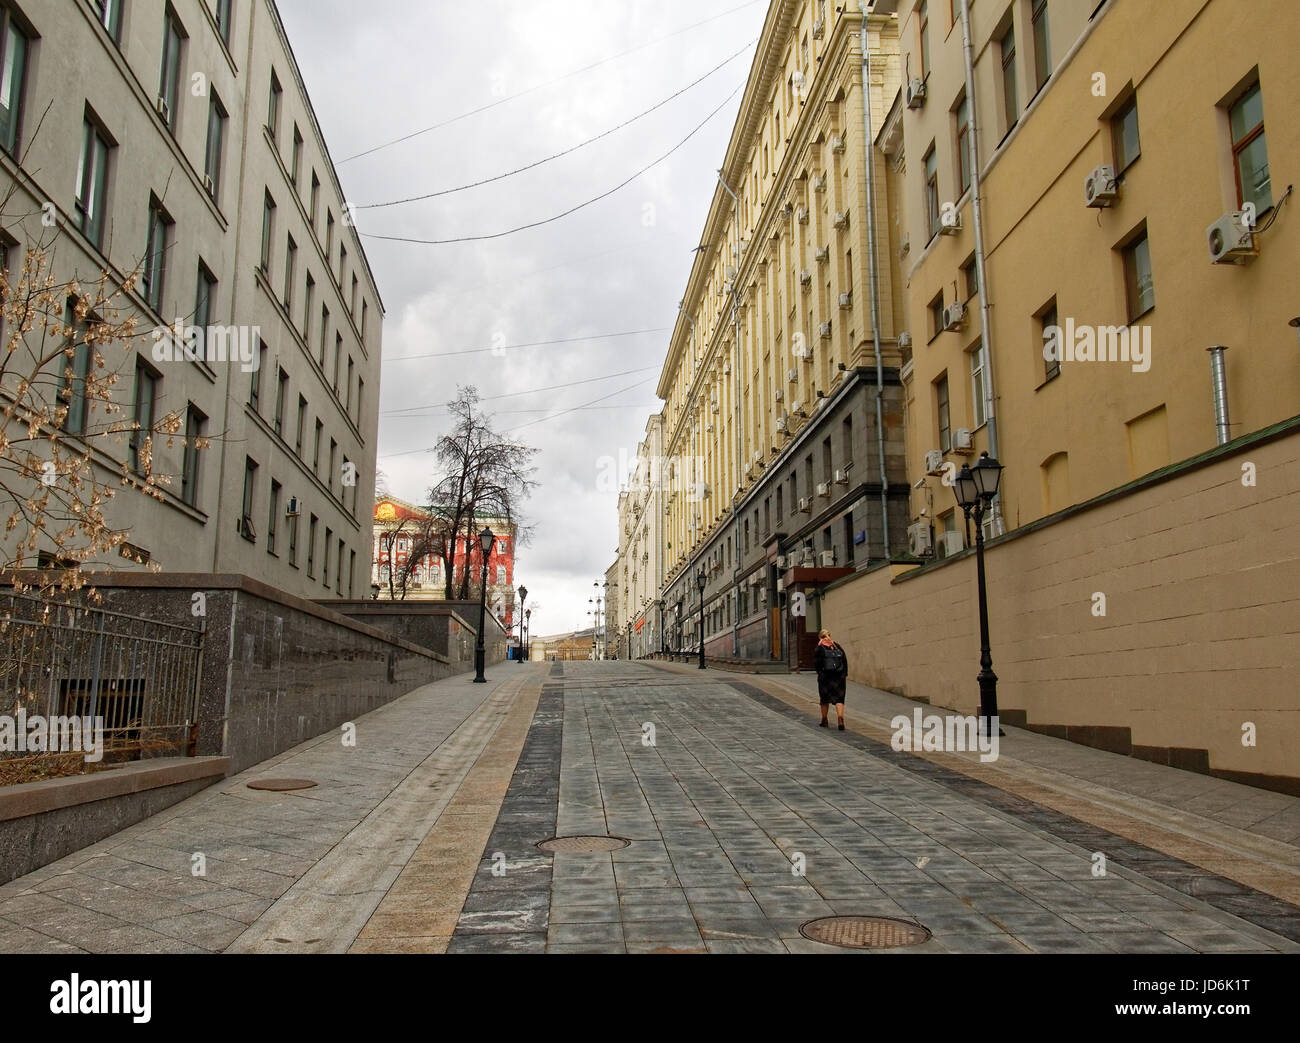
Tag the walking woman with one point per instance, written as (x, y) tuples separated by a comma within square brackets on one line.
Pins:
[(832, 667)]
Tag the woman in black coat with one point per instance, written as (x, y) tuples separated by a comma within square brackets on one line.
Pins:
[(832, 667)]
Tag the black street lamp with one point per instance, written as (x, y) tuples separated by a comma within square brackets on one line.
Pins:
[(485, 541), (701, 581), (975, 488), (528, 630), (523, 596), (679, 628)]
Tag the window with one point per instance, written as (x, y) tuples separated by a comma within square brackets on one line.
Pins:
[(250, 483), (363, 321), (223, 16), (273, 518), (1042, 45), (932, 191), (361, 387), (308, 301), (281, 389), (338, 569), (963, 144), (92, 183), (195, 423), (971, 277), (343, 264), (315, 455), (325, 566), (338, 352), (324, 333), (936, 316), (924, 15), (329, 478), (1124, 135), (255, 378), (977, 402), (290, 263), (848, 538), (352, 304), (216, 140), (295, 164), (1010, 104), (273, 107), (315, 200), (1049, 339), (74, 382), (155, 254), (169, 78), (942, 413), (1250, 151), (110, 17), (352, 571), (268, 227), (501, 574), (1138, 281), (311, 547), (846, 433), (146, 394), (329, 235), (205, 291), (293, 538), (13, 75), (348, 400), (302, 420)]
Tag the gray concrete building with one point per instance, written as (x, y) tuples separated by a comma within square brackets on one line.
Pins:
[(176, 141)]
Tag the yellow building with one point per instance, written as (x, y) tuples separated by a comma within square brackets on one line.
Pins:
[(781, 464)]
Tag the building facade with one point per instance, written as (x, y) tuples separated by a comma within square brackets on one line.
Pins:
[(641, 509), (782, 428), (1121, 157), (173, 147)]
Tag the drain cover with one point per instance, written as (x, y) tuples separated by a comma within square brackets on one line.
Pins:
[(865, 932), (281, 784), (582, 845)]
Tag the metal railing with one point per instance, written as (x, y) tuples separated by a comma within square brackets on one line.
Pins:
[(140, 675)]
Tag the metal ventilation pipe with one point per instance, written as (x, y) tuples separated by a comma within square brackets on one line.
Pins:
[(1219, 384)]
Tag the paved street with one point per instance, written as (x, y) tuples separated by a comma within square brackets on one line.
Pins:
[(745, 821)]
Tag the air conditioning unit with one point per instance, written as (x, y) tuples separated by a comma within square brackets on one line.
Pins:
[(823, 489), (1230, 240), (950, 543), (208, 185), (726, 367), (841, 477), (915, 92), (823, 254), (758, 457), (160, 106), (1100, 188), (918, 539), (782, 562), (949, 222), (714, 408), (824, 330), (792, 375), (840, 218), (837, 143), (934, 461), (782, 425), (708, 428), (805, 504), (805, 278), (954, 316), (802, 215), (796, 409), (846, 300), (819, 183), (749, 470), (963, 441), (904, 339), (780, 395), (819, 27), (293, 509), (744, 245), (828, 559)]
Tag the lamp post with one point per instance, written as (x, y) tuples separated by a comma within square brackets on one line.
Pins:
[(975, 489), (528, 630), (485, 541), (679, 628), (700, 582), (523, 596)]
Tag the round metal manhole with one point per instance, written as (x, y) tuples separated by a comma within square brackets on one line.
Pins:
[(865, 932), (583, 845), (281, 784)]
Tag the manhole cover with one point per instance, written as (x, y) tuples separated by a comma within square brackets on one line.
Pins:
[(281, 784), (582, 845), (865, 932)]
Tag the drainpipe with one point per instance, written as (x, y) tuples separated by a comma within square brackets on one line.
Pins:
[(867, 138), (1219, 383), (981, 269), (735, 394)]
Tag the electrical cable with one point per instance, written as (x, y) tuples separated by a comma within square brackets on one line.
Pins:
[(527, 344), (516, 394)]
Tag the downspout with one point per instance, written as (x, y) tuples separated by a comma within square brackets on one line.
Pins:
[(867, 139), (1219, 385), (735, 394), (981, 269)]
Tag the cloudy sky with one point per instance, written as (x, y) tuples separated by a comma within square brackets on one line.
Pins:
[(544, 75)]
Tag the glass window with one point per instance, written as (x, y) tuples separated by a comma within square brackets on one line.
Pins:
[(1010, 103), (1138, 278), (311, 547), (273, 517), (1049, 337), (268, 225), (281, 389), (1250, 151), (963, 145), (215, 144), (195, 422), (204, 293), (110, 16), (1124, 134), (977, 385), (250, 481), (302, 420), (942, 411), (1042, 45), (223, 16), (295, 166), (169, 77), (273, 107), (13, 74), (932, 190), (155, 255), (92, 183), (924, 14), (290, 263)]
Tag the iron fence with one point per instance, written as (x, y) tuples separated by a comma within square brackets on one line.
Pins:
[(140, 675)]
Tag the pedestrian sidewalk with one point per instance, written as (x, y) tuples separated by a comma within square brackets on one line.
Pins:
[(236, 869), (1246, 834)]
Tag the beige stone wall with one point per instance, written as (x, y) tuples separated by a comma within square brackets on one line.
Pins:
[(1202, 628)]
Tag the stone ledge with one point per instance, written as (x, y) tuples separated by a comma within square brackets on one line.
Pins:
[(35, 798)]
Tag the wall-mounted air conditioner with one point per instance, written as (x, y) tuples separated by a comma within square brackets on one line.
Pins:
[(837, 143), (819, 183), (805, 504), (950, 222), (904, 339), (934, 461), (915, 92), (823, 254), (824, 330), (963, 441), (823, 489), (828, 559), (1231, 240), (950, 543), (918, 539), (840, 218), (846, 300), (1100, 188), (802, 215), (841, 477), (805, 278), (954, 316), (792, 374)]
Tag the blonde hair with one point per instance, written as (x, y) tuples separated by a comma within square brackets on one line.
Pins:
[(825, 633)]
